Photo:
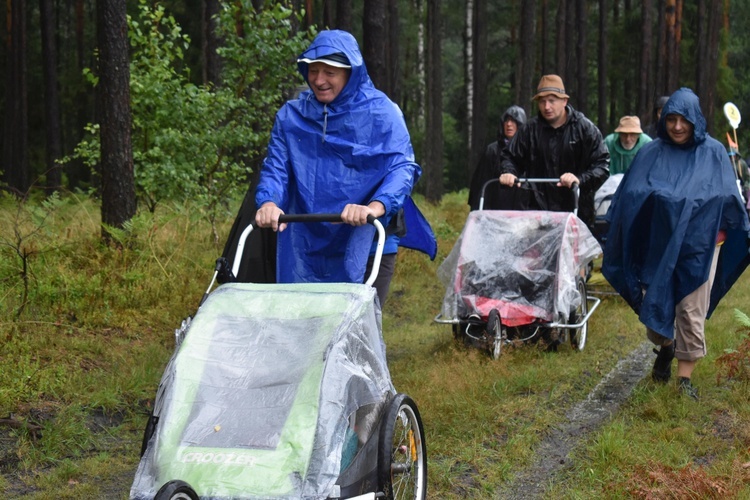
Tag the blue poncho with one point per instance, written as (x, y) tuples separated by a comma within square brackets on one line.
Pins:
[(322, 157), (665, 218)]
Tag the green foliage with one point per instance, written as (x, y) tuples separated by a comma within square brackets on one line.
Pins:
[(200, 142), (735, 362)]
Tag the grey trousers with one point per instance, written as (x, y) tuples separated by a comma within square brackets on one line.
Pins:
[(690, 320)]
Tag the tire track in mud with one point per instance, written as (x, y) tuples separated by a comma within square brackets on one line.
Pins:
[(583, 418)]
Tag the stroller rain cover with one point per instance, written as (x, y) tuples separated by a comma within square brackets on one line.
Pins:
[(254, 402), (523, 263)]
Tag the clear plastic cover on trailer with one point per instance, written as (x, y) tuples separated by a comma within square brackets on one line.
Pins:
[(261, 397), (525, 264)]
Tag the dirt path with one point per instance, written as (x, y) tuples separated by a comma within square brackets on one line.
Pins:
[(583, 418)]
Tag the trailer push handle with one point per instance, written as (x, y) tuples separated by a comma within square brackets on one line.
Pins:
[(315, 218)]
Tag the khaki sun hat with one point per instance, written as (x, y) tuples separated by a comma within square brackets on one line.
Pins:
[(629, 125), (551, 85)]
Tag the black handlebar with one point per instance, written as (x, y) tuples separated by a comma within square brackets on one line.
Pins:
[(283, 218), (574, 187)]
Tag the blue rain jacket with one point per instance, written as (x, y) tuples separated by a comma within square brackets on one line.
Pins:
[(321, 157), (665, 218)]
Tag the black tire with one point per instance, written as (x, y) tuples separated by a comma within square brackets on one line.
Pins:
[(496, 334), (578, 335), (458, 331), (176, 490), (148, 432), (402, 452)]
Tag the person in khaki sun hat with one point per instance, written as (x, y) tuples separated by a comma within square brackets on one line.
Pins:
[(559, 142), (624, 143)]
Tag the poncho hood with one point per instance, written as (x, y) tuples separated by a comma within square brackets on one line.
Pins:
[(665, 218), (683, 102), (338, 42)]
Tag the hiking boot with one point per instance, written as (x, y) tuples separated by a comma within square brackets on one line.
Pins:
[(662, 371), (687, 388)]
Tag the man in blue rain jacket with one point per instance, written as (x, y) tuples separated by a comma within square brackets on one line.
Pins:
[(678, 236), (341, 147)]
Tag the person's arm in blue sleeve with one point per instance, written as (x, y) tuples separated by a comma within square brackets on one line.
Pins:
[(402, 170), (271, 194)]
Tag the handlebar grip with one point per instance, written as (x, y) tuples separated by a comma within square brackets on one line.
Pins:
[(310, 218), (318, 218)]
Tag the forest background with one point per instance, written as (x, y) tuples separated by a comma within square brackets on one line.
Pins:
[(207, 76)]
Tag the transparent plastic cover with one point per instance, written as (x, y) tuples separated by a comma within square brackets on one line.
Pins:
[(257, 401), (525, 264)]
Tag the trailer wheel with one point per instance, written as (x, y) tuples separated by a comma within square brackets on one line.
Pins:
[(148, 432), (578, 335), (496, 333), (176, 490), (402, 455)]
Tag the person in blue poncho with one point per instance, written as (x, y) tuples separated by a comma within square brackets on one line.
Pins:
[(678, 236), (341, 147)]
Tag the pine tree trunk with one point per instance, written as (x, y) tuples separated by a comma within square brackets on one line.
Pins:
[(543, 31), (646, 85), (479, 125), (582, 80), (329, 14), (16, 130), (709, 95), (561, 54), (344, 15), (374, 39), (469, 85), (393, 45), (118, 185), (211, 42), (53, 151), (433, 146), (603, 65), (670, 19), (527, 54)]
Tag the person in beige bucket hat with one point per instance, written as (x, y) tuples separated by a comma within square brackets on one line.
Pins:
[(559, 142), (624, 143)]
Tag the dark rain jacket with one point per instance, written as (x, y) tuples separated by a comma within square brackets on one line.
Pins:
[(582, 152), (665, 218), (322, 157), (496, 197)]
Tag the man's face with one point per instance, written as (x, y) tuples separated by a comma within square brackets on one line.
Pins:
[(628, 140), (552, 109), (679, 129), (326, 81), (510, 128)]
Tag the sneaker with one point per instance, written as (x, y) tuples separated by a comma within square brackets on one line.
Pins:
[(662, 370), (687, 388)]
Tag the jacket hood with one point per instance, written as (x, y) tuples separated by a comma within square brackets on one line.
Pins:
[(516, 113), (336, 41), (683, 102)]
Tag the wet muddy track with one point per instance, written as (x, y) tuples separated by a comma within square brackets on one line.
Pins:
[(582, 419)]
